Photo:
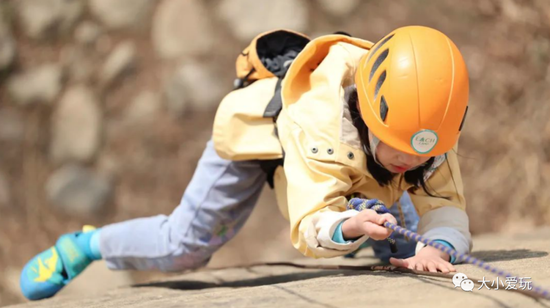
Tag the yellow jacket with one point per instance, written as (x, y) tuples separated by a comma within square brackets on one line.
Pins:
[(324, 162)]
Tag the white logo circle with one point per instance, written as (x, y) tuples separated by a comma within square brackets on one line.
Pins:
[(424, 141), (467, 285), (458, 278)]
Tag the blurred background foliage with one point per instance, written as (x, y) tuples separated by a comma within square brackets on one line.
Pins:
[(106, 105)]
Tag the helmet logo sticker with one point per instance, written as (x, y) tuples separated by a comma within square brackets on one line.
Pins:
[(424, 141)]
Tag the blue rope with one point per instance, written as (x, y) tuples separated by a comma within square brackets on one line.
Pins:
[(419, 238)]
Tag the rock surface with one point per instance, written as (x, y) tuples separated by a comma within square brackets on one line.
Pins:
[(76, 190), (7, 42), (87, 33), (175, 95), (77, 124), (150, 151), (116, 14), (12, 126), (121, 60), (5, 192), (182, 27), (280, 286), (248, 18), (38, 85), (197, 84), (46, 18), (144, 108), (339, 8)]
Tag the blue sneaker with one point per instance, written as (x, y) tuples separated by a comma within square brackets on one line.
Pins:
[(49, 271)]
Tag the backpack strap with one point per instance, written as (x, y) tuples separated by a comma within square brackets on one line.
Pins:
[(275, 105), (269, 167), (272, 110), (239, 83)]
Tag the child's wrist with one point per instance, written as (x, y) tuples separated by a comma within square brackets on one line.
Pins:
[(443, 255), (349, 229)]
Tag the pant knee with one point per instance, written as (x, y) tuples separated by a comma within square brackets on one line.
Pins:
[(184, 261)]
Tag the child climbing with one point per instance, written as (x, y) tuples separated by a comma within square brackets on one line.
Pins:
[(325, 122)]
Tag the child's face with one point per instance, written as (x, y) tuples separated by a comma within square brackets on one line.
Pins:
[(396, 161)]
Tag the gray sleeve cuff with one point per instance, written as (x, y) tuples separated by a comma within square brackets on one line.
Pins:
[(449, 224)]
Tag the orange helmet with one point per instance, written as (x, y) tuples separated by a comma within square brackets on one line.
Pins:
[(413, 91)]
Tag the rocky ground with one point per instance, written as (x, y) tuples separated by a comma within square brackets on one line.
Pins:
[(526, 255)]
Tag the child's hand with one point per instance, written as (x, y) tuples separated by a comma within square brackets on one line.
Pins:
[(427, 259), (367, 222)]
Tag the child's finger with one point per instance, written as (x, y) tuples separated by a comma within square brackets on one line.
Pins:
[(375, 231), (451, 267), (370, 215), (431, 267), (399, 262), (379, 219), (442, 267), (386, 217)]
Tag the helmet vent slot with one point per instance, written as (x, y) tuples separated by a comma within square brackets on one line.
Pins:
[(383, 55), (379, 84), (383, 108), (380, 44)]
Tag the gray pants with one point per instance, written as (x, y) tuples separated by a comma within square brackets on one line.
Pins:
[(214, 207)]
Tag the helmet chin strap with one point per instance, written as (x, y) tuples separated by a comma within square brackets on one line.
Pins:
[(373, 144)]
